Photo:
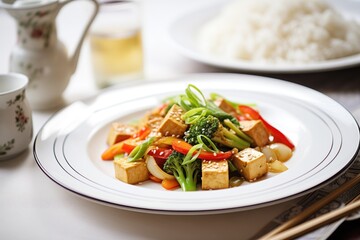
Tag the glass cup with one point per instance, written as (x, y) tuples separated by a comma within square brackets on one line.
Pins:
[(116, 43)]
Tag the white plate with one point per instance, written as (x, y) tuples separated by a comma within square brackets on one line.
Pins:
[(69, 145), (184, 31)]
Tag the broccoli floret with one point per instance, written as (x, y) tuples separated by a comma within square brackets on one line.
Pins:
[(212, 128), (187, 174)]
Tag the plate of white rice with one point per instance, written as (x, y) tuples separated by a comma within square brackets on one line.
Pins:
[(274, 36)]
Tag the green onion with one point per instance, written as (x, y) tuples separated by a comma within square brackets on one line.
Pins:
[(140, 150), (184, 102), (191, 116), (232, 168), (212, 147), (237, 130), (194, 98), (189, 158)]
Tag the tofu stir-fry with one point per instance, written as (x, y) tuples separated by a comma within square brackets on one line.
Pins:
[(192, 142)]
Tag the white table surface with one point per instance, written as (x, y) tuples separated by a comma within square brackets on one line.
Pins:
[(34, 207)]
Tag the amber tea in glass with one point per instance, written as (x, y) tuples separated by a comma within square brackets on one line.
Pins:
[(116, 43)]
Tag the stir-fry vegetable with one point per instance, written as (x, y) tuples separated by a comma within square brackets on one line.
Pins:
[(162, 153), (211, 127), (277, 135), (112, 151), (185, 174), (140, 150), (195, 101), (170, 184), (184, 147), (193, 142)]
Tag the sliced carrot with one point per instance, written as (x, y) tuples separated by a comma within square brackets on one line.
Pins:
[(128, 147), (170, 184), (113, 150), (155, 179), (142, 133), (125, 146)]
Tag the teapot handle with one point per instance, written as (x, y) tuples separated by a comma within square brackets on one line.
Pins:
[(74, 59)]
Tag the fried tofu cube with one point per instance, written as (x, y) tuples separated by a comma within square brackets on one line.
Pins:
[(250, 163), (131, 172), (120, 132), (173, 125), (256, 130), (225, 106), (215, 174), (152, 121)]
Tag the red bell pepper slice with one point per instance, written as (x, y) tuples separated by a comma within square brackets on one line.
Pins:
[(184, 147), (162, 153), (241, 117), (278, 136), (249, 112)]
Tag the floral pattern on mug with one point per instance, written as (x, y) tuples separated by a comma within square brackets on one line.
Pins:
[(20, 119), (4, 148), (18, 98)]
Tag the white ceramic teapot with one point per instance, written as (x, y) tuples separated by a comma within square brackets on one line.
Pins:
[(39, 53)]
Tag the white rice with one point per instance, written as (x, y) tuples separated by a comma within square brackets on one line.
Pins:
[(280, 31)]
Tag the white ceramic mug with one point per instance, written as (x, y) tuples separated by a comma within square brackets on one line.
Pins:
[(16, 127)]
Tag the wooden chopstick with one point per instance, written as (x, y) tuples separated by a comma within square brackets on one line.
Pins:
[(313, 208), (317, 222)]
